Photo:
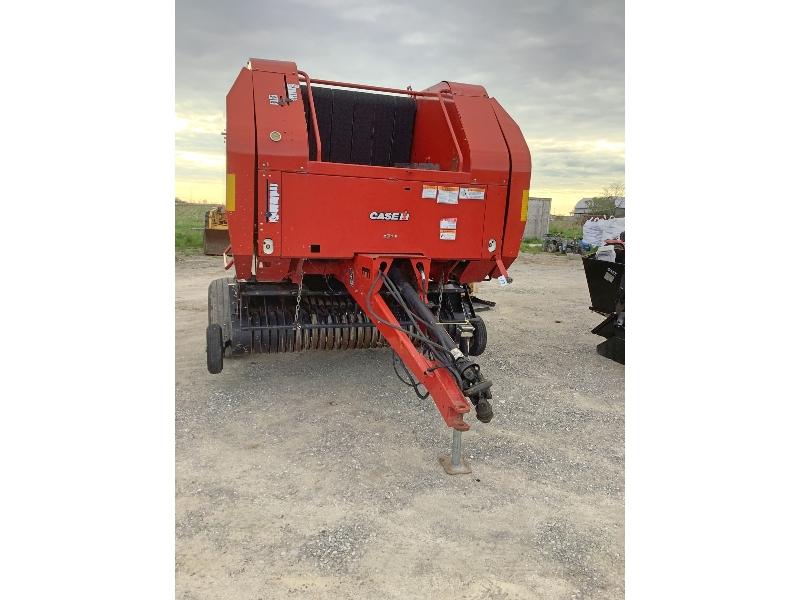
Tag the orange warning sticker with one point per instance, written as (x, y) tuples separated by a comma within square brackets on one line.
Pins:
[(449, 223), (447, 194), (429, 191), (471, 193)]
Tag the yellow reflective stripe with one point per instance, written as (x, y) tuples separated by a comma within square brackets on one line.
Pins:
[(230, 192), (524, 212)]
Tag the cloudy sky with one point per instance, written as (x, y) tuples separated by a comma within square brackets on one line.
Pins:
[(557, 67)]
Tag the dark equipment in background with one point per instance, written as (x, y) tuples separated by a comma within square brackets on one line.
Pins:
[(606, 281), (557, 244)]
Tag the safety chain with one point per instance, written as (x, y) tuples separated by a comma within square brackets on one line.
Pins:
[(441, 292), (299, 293)]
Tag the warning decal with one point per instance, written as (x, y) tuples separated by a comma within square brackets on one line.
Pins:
[(274, 203), (472, 193), (447, 229), (448, 223), (429, 191), (447, 194)]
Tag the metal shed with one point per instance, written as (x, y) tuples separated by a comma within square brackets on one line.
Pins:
[(538, 218)]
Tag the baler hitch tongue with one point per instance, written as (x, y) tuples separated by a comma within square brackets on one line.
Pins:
[(466, 372)]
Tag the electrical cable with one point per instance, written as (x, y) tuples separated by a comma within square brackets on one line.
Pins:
[(445, 358), (410, 383)]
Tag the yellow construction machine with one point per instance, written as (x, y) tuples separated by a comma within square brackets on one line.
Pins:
[(215, 232)]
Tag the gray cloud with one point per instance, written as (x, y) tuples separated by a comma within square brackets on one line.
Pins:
[(557, 66)]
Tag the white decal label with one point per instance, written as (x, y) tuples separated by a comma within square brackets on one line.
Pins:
[(502, 280), (447, 229), (273, 99), (274, 199), (429, 191), (472, 193), (291, 89), (447, 195)]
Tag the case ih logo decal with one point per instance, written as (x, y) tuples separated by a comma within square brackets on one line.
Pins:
[(389, 216)]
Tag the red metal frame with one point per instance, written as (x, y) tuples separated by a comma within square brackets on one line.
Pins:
[(319, 215), (313, 111), (439, 382)]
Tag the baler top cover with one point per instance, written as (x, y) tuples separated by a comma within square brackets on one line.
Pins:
[(324, 170)]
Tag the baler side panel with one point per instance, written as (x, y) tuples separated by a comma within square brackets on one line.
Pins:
[(520, 183), (493, 220), (432, 141), (488, 155), (280, 124), (240, 163), (489, 160)]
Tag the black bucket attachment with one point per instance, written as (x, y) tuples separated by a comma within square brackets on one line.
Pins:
[(606, 281)]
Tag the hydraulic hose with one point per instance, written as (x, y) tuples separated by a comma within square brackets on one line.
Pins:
[(411, 296), (474, 386)]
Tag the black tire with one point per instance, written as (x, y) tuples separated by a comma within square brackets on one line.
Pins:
[(479, 337), (214, 348), (219, 306)]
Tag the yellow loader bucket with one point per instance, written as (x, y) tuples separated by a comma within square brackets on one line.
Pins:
[(215, 234), (215, 241)]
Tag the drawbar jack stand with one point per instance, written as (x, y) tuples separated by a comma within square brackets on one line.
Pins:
[(455, 464)]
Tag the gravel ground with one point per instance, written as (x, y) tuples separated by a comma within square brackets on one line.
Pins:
[(315, 475)]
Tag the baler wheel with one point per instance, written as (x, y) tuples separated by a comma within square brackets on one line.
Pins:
[(214, 348), (479, 337), (219, 306)]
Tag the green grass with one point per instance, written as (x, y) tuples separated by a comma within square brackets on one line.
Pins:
[(189, 223), (566, 232), (531, 246)]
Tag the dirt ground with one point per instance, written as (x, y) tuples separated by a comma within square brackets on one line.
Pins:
[(315, 475)]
